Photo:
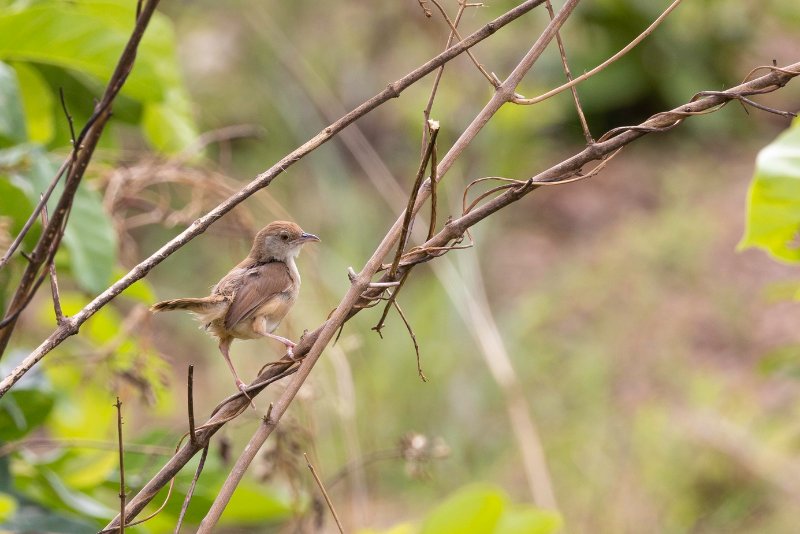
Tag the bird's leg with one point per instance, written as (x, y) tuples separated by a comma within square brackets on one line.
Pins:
[(224, 345), (260, 329)]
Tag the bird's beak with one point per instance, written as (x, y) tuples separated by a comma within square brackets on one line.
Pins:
[(305, 238)]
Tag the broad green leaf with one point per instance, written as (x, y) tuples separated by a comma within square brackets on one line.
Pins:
[(254, 503), (472, 509), (528, 520), (89, 415), (31, 517), (168, 126), (773, 202), (12, 120), (28, 404), (75, 500), (37, 102), (87, 37), (8, 505), (86, 470), (89, 238), (21, 411), (14, 204)]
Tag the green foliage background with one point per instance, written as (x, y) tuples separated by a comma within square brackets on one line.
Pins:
[(659, 365)]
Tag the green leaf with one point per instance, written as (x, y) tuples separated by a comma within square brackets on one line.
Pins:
[(37, 102), (75, 500), (773, 202), (89, 237), (8, 505), (27, 405), (529, 520), (472, 509), (782, 361), (84, 416), (140, 291), (12, 120), (87, 38), (91, 242), (31, 517), (255, 503), (14, 204), (169, 126)]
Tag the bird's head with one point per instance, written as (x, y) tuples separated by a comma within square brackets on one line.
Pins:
[(279, 240)]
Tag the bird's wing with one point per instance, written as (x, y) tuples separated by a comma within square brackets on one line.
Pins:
[(259, 285)]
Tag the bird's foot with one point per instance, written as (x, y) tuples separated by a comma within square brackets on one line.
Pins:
[(243, 388), (290, 349)]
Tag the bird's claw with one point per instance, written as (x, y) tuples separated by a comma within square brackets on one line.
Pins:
[(243, 388)]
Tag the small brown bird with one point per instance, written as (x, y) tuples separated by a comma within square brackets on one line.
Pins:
[(252, 299)]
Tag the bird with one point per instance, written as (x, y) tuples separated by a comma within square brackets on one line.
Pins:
[(253, 298)]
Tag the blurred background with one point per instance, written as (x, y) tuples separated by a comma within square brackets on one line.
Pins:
[(602, 348)]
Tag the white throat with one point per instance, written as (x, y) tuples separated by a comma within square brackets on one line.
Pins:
[(293, 272)]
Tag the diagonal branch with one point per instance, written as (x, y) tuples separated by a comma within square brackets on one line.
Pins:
[(71, 325)]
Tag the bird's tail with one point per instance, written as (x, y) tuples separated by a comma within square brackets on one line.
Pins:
[(196, 305)]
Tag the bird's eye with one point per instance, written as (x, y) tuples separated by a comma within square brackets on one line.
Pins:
[(284, 236)]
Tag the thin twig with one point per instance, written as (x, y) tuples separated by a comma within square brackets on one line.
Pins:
[(190, 405), (382, 321), (492, 79), (425, 9), (324, 493), (434, 201), (35, 214), (188, 498), (581, 117), (136, 448), (413, 339), (68, 115), (423, 164), (121, 467), (529, 101), (51, 265), (426, 113)]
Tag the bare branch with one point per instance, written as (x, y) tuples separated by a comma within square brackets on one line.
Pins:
[(413, 338), (577, 101), (324, 493), (35, 215), (190, 404), (529, 101), (71, 326), (121, 466), (188, 498), (492, 80), (51, 265)]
